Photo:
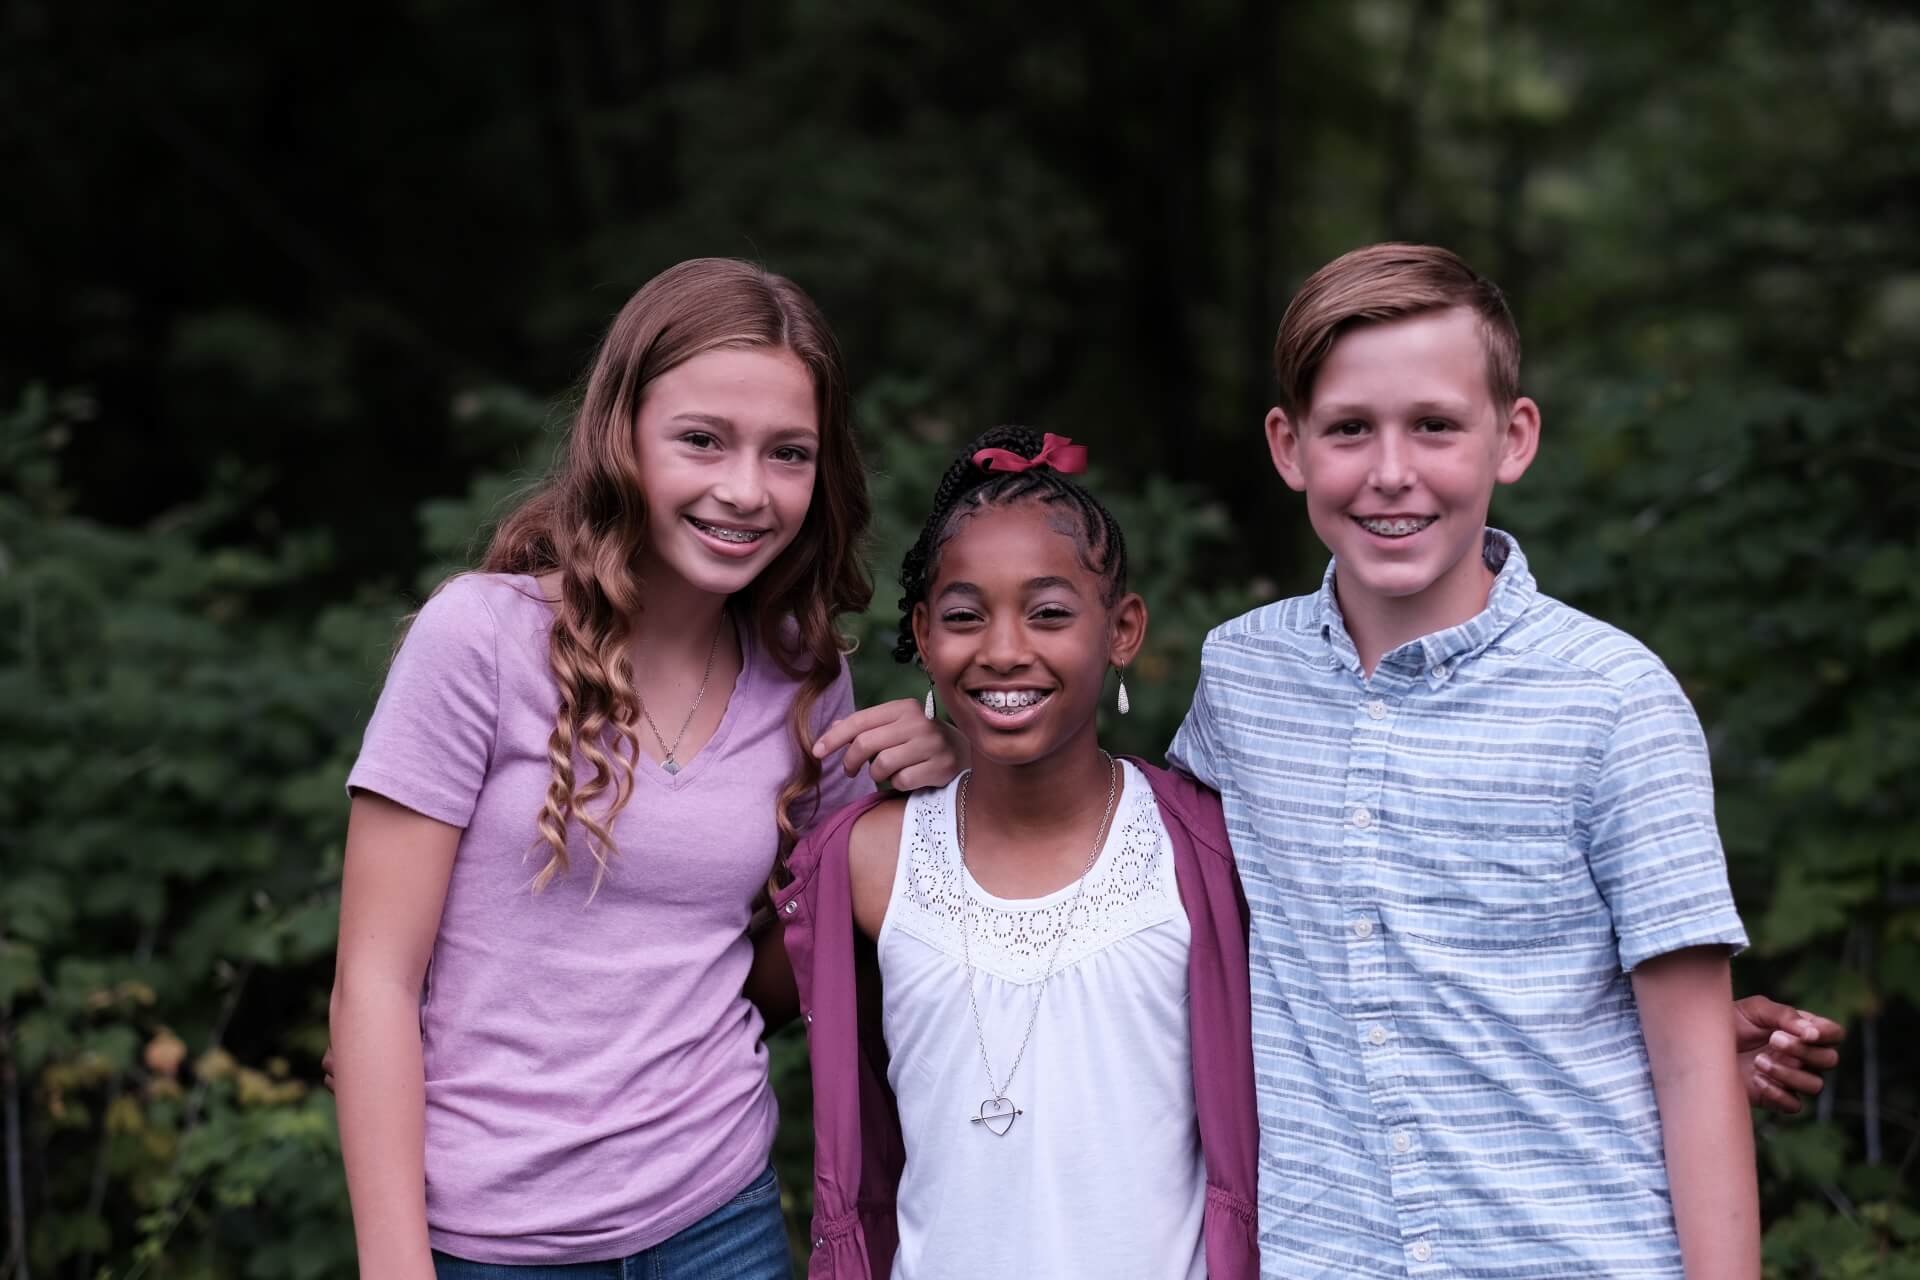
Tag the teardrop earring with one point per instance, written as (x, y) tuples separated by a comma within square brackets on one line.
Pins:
[(1121, 701), (928, 706)]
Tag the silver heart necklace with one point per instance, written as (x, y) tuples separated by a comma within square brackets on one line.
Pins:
[(997, 1113), (668, 760)]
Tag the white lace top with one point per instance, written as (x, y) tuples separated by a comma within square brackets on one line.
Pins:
[(1100, 1175)]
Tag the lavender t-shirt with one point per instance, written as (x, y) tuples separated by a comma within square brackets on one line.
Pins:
[(595, 1079)]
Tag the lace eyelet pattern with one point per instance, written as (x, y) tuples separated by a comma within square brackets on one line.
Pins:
[(1126, 892)]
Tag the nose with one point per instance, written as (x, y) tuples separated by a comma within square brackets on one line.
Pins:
[(1392, 470), (1003, 645), (743, 485)]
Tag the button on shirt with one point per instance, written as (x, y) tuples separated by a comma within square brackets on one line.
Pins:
[(1451, 867)]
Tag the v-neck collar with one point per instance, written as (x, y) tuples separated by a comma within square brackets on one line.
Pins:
[(692, 767)]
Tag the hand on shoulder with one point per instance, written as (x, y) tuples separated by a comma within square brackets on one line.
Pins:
[(898, 744)]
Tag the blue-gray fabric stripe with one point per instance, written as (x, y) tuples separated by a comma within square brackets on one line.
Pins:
[(1538, 819)]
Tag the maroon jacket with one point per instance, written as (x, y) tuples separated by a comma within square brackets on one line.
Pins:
[(858, 1151)]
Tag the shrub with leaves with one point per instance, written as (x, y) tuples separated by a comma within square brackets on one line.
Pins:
[(1762, 541), (170, 824)]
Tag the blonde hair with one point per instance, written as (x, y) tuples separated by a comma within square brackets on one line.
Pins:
[(1389, 282), (588, 523)]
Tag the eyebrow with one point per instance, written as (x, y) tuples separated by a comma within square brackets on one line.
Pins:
[(1031, 584), (719, 422), (1419, 408)]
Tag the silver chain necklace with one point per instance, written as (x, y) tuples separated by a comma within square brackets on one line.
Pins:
[(671, 765), (997, 1113)]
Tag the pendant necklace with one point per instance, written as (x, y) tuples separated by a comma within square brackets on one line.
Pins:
[(997, 1112), (671, 765)]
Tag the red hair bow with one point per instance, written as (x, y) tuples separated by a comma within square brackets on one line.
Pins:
[(1058, 452)]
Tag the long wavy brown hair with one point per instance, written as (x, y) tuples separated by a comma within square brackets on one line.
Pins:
[(588, 523)]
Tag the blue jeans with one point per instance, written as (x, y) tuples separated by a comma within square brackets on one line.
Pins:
[(744, 1239)]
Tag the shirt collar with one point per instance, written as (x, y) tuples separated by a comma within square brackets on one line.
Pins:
[(1441, 653)]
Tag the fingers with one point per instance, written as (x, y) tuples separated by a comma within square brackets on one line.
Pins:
[(1760, 1021), (1786, 1075), (937, 759), (929, 773), (922, 760), (847, 728), (865, 734), (1762, 1092), (1818, 1030), (1783, 1047), (1766, 1013), (894, 742), (888, 747)]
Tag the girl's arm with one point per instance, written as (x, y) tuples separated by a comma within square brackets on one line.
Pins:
[(1683, 998), (873, 856), (898, 744), (395, 884)]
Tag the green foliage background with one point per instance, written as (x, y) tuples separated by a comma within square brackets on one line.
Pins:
[(294, 301)]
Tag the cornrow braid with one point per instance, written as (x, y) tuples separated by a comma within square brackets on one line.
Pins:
[(968, 488)]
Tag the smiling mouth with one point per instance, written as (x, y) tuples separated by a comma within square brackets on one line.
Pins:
[(1008, 702), (1395, 526), (739, 536)]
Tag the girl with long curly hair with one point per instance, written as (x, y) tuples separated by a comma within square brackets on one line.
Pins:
[(584, 764)]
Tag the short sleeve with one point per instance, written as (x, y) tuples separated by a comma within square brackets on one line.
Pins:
[(1653, 847), (1195, 749), (837, 790), (431, 737)]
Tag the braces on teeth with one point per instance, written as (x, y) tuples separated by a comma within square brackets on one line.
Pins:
[(1009, 701), (727, 535), (1397, 528)]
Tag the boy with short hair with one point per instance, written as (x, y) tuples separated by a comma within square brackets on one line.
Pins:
[(1490, 921)]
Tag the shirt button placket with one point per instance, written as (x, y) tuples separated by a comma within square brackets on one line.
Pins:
[(1367, 974), (1371, 964)]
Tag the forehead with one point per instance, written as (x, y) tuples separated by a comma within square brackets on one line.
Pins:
[(746, 385), (1011, 544), (1432, 356)]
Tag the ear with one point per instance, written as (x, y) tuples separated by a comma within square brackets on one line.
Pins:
[(1519, 440), (1126, 629), (920, 633), (1283, 444)]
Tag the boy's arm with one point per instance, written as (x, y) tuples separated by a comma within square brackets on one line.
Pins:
[(1195, 748), (1655, 855), (1704, 1124)]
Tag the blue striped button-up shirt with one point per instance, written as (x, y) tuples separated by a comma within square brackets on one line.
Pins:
[(1450, 867)]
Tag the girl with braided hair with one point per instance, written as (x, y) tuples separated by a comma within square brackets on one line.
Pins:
[(1056, 1079), (1027, 991), (580, 774)]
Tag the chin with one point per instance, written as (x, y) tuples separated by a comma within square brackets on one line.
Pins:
[(724, 583), (1395, 582), (1014, 750)]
